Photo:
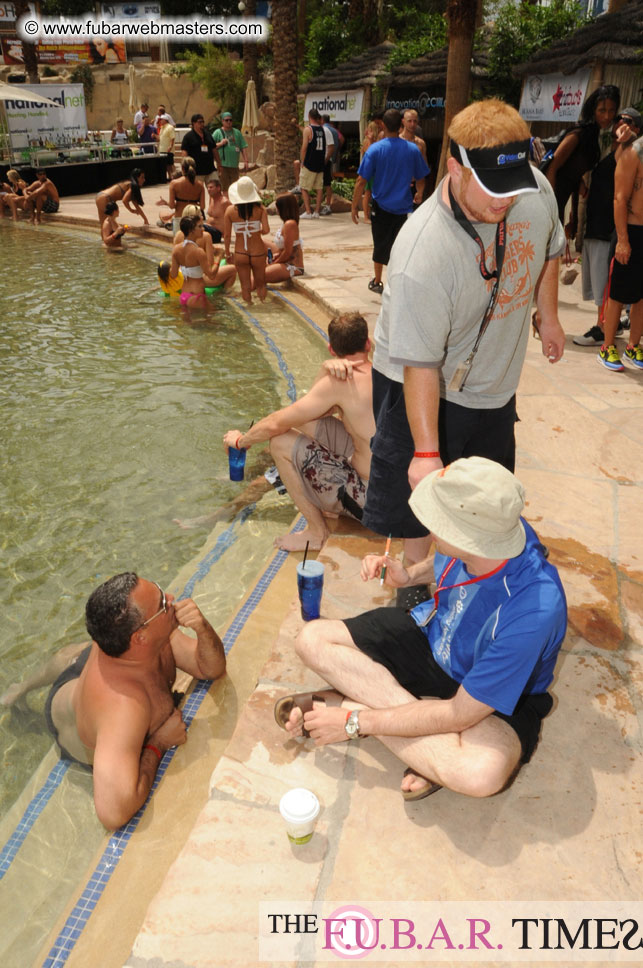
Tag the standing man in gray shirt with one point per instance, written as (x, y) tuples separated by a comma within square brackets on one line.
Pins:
[(451, 337)]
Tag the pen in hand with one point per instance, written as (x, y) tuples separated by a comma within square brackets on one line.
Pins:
[(386, 555)]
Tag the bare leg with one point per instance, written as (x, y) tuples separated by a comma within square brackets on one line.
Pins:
[(636, 323), (44, 675), (306, 197), (478, 761), (297, 169), (319, 195), (610, 323), (245, 279), (259, 276), (316, 532)]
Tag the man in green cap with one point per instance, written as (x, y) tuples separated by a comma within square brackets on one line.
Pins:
[(230, 143)]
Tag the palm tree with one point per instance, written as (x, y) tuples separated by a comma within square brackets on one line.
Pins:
[(462, 17), (28, 50), (284, 54)]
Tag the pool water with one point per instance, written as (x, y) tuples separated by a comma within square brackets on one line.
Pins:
[(113, 412)]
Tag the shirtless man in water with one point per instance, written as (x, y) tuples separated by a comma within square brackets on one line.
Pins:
[(323, 461), (627, 269), (113, 707)]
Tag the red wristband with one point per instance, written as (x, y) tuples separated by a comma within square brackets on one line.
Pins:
[(148, 746), (426, 453), (236, 446), (348, 715)]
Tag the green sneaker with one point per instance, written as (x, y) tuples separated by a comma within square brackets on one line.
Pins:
[(634, 355), (608, 357)]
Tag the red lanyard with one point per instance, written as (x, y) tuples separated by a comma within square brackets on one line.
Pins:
[(471, 581)]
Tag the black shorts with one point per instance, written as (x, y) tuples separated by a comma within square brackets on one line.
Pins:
[(626, 282), (210, 229), (169, 158), (385, 227), (328, 173), (72, 671), (391, 637), (463, 432)]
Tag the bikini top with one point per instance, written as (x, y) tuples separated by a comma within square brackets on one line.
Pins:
[(246, 229), (191, 272), (278, 239), (120, 138)]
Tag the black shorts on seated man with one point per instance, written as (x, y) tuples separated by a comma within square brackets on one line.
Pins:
[(457, 688)]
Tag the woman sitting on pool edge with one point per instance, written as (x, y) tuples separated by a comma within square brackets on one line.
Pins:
[(289, 261), (126, 191), (190, 258), (216, 275), (247, 216)]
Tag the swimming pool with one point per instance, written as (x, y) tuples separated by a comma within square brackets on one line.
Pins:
[(113, 413)]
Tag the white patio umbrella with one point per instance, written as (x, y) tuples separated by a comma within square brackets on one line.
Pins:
[(250, 121), (16, 92)]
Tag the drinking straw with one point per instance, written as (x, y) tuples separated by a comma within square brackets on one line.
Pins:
[(303, 564), (386, 555)]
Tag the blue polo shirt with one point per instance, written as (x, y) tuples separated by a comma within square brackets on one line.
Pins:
[(393, 164), (499, 637)]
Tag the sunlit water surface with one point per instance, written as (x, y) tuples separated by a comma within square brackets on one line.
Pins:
[(113, 409)]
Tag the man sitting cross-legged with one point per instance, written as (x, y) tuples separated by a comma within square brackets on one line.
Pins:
[(323, 460), (457, 687)]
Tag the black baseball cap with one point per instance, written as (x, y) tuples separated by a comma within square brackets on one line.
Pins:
[(631, 113), (501, 170)]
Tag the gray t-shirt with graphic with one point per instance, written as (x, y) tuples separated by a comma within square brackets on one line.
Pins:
[(435, 296)]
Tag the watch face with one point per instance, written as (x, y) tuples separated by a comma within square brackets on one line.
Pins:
[(352, 725)]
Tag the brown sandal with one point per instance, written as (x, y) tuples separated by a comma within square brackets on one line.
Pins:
[(304, 701), (424, 791)]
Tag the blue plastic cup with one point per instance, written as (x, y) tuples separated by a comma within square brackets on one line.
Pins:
[(237, 462), (310, 582)]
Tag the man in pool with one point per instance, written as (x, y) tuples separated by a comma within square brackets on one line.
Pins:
[(113, 707), (323, 461)]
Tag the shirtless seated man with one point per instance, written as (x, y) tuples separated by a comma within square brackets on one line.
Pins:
[(42, 196), (217, 205), (457, 687), (113, 707), (320, 444)]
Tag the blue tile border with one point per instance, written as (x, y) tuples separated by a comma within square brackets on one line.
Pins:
[(31, 814), (272, 346), (300, 312)]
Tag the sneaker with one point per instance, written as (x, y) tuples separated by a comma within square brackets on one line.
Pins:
[(306, 215), (315, 214), (376, 286), (326, 210), (634, 355), (624, 322), (593, 337), (295, 191), (608, 356)]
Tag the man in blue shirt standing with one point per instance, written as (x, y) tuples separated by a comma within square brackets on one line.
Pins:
[(483, 648), (391, 164)]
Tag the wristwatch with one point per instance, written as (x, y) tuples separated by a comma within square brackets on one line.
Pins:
[(352, 725)]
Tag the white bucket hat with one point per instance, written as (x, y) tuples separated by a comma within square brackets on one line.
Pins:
[(475, 505), (243, 191)]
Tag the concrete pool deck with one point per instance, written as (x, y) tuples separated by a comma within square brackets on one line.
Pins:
[(188, 888)]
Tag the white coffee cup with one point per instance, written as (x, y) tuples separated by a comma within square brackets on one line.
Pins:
[(300, 809)]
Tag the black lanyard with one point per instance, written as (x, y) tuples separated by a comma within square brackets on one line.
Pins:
[(501, 241)]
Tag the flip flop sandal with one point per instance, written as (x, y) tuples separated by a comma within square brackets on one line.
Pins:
[(425, 790), (304, 701)]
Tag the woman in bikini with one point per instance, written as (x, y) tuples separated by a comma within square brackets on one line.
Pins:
[(217, 275), (185, 190), (14, 197), (128, 192), (249, 219), (289, 261), (190, 258)]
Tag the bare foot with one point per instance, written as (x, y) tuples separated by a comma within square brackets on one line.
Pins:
[(298, 541), (12, 695)]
